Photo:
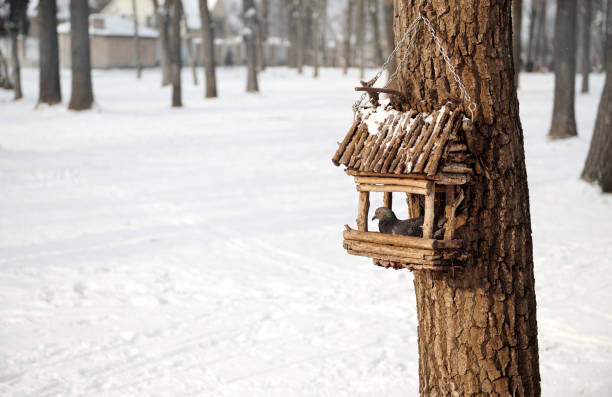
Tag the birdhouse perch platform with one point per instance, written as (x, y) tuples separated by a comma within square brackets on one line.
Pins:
[(423, 155)]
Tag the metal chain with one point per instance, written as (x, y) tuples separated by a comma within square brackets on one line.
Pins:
[(413, 28)]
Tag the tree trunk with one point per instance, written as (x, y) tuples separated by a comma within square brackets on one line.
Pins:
[(15, 66), (249, 42), (291, 6), (533, 15), (49, 81), (208, 49), (373, 8), (477, 331), (598, 165), (316, 14), (517, 22), (563, 120), (175, 51), (586, 45), (136, 41), (5, 81), (390, 37), (347, 35), (259, 42), (300, 36), (81, 97), (323, 27), (541, 48), (161, 22), (361, 38)]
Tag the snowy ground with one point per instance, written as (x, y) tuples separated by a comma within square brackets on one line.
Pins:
[(149, 251)]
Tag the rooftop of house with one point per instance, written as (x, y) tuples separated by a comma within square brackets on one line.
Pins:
[(110, 25)]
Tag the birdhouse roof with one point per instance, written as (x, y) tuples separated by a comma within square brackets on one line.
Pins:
[(385, 141)]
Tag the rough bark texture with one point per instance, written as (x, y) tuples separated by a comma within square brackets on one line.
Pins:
[(347, 35), (81, 97), (175, 52), (586, 45), (517, 22), (598, 165), (49, 82), (249, 41), (208, 51), (477, 330), (563, 123)]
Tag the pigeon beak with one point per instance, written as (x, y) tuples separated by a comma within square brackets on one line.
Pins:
[(374, 217)]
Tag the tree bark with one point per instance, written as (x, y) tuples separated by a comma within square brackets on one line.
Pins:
[(208, 49), (249, 42), (347, 35), (49, 81), (586, 45), (136, 40), (563, 120), (598, 165), (175, 52), (533, 14), (477, 331), (517, 22), (373, 8), (81, 97)]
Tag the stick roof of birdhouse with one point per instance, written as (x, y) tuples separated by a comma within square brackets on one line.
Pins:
[(426, 145)]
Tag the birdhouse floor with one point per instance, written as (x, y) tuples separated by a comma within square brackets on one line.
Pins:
[(403, 252)]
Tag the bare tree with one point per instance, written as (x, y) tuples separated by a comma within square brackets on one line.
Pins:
[(598, 165), (162, 22), (348, 33), (563, 120), (136, 40), (300, 35), (541, 45), (361, 30), (175, 9), (249, 32), (208, 39), (477, 330), (316, 39), (586, 45), (517, 22), (16, 25), (49, 82), (81, 97), (373, 10)]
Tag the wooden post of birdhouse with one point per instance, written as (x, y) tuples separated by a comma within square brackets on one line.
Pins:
[(364, 208), (414, 205), (428, 222), (449, 212), (388, 200)]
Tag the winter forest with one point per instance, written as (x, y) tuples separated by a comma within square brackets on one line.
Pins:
[(305, 198)]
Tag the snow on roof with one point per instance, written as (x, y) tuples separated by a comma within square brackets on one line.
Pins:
[(112, 26)]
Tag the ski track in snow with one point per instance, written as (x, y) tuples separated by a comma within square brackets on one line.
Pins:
[(150, 251)]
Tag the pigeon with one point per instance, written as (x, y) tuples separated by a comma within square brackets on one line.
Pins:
[(388, 223)]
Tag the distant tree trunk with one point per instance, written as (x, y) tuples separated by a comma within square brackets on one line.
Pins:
[(249, 42), (477, 331), (563, 120), (161, 22), (292, 31), (191, 56), (361, 24), (136, 40), (533, 16), (598, 165), (541, 49), (517, 22), (347, 35), (323, 27), (373, 9), (5, 81), (49, 81), (175, 51), (81, 97), (390, 36), (208, 50), (300, 36), (316, 41), (16, 68), (259, 41), (586, 45)]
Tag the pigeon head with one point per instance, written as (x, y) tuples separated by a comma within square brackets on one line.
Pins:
[(384, 213)]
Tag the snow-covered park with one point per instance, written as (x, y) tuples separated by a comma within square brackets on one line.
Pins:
[(151, 251)]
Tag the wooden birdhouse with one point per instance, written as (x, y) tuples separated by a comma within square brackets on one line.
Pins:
[(423, 155)]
